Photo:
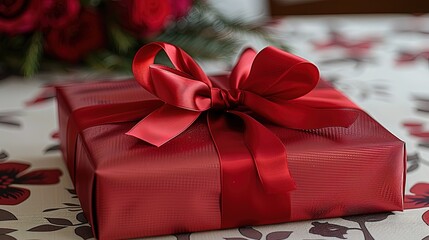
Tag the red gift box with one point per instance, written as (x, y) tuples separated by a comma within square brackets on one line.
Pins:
[(262, 145)]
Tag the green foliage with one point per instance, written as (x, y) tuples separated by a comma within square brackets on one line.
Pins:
[(91, 3), (108, 61), (234, 26), (33, 55), (204, 33), (122, 40)]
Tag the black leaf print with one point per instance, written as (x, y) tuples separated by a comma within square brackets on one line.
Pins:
[(424, 144), (329, 230), (60, 221), (416, 159), (46, 228), (412, 167), (369, 218), (413, 162), (183, 236), (6, 215), (81, 217), (413, 157), (4, 231), (74, 209), (84, 232), (71, 191), (422, 103), (3, 155), (6, 237), (72, 204), (7, 118), (52, 148), (417, 130), (363, 219), (81, 229), (51, 209), (10, 122), (280, 235), (250, 233)]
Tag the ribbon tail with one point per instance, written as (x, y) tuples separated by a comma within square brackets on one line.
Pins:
[(163, 124), (299, 114), (269, 155)]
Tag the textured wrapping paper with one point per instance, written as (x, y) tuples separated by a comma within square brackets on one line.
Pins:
[(129, 188)]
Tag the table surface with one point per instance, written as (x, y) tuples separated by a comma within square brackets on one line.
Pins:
[(380, 62)]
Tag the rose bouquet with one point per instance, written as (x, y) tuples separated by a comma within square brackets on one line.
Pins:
[(50, 34)]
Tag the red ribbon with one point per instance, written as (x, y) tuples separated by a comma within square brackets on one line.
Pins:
[(268, 84)]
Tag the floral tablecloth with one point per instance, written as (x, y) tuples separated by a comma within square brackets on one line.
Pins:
[(380, 62)]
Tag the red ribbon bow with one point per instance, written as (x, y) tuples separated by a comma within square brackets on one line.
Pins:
[(270, 84)]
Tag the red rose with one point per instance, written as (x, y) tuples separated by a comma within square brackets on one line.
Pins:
[(60, 13), (143, 17), (180, 7), (20, 16), (82, 36)]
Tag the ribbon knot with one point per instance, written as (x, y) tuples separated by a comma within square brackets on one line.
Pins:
[(270, 84), (226, 99)]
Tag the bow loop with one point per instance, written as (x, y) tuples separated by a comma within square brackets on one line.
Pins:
[(186, 87), (278, 75), (179, 88), (241, 70)]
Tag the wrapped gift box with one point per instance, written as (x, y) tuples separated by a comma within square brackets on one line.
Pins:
[(130, 188)]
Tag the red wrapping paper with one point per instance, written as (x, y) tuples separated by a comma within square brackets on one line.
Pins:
[(129, 188)]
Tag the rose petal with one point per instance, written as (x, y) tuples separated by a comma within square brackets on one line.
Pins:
[(60, 13), (420, 189), (21, 16), (425, 217), (412, 124), (12, 168), (40, 177), (13, 195)]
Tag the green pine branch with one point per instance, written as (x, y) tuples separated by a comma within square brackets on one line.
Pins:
[(235, 26), (33, 55), (108, 61), (122, 40), (201, 45)]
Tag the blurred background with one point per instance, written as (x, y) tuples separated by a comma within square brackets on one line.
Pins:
[(103, 35)]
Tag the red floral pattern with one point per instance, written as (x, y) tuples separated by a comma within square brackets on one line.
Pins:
[(337, 40), (406, 57), (12, 173), (425, 217), (419, 198)]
